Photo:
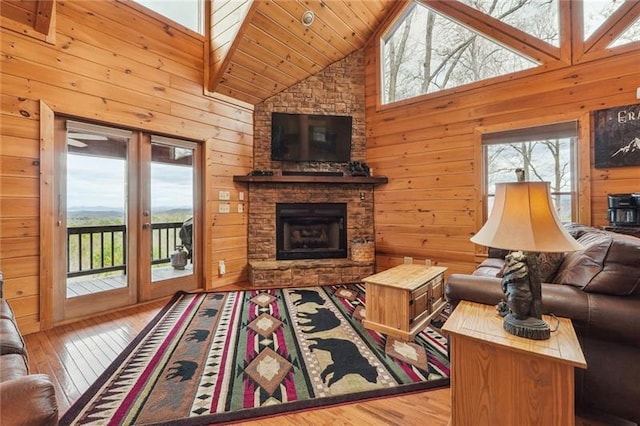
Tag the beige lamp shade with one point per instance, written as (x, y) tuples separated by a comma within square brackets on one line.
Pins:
[(523, 218)]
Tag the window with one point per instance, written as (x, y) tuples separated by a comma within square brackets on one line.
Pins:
[(538, 18), (427, 52), (595, 13), (630, 35), (545, 153), (185, 12)]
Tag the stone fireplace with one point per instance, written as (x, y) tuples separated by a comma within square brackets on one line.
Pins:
[(336, 90), (316, 211), (311, 231)]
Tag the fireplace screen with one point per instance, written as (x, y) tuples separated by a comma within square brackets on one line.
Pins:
[(311, 231)]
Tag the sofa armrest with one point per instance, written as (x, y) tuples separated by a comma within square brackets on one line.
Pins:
[(474, 288), (613, 318), (28, 401)]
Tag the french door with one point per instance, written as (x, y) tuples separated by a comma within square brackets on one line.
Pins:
[(127, 218)]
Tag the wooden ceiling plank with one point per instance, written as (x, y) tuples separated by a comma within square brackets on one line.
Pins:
[(261, 89), (351, 20), (365, 15), (274, 61), (309, 40), (263, 40), (44, 14), (248, 77), (245, 97), (222, 10), (218, 68), (326, 16), (311, 49), (259, 67), (318, 32)]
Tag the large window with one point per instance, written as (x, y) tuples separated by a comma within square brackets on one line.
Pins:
[(427, 52), (185, 12), (545, 153)]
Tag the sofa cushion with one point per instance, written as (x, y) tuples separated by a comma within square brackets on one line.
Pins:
[(10, 339), (13, 366), (608, 264), (5, 310), (549, 264)]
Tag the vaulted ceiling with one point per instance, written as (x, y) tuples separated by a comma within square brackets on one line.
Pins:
[(260, 48)]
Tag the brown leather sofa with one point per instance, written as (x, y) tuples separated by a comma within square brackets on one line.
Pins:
[(598, 288), (25, 399)]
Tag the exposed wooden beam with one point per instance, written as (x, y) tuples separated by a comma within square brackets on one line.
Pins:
[(44, 15)]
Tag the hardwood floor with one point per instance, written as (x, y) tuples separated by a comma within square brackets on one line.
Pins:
[(75, 354)]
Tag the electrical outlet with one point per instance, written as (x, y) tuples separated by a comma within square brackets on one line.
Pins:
[(408, 260), (224, 195), (224, 208), (241, 195), (222, 269), (427, 262), (638, 93), (241, 208)]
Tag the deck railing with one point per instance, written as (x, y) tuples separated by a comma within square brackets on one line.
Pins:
[(98, 249)]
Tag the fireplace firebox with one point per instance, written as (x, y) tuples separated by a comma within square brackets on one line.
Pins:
[(311, 231)]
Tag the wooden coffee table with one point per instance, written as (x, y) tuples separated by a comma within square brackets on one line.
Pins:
[(401, 301)]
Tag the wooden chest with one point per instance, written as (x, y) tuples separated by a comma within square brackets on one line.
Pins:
[(401, 301)]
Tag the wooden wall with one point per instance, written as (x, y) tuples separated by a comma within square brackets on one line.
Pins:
[(114, 64), (430, 148)]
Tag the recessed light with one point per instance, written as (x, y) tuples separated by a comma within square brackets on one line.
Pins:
[(307, 18)]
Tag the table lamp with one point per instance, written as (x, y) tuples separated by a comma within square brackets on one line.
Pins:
[(524, 219)]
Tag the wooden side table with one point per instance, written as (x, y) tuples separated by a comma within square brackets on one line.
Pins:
[(402, 300), (499, 378)]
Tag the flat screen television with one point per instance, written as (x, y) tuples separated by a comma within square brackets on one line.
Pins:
[(309, 137)]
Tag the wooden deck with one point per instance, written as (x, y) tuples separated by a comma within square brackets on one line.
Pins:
[(81, 286)]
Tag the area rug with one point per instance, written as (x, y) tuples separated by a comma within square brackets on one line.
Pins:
[(222, 357)]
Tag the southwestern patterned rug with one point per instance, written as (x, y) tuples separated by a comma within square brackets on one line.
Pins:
[(221, 357)]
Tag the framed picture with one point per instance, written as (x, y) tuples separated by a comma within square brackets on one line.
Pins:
[(617, 137)]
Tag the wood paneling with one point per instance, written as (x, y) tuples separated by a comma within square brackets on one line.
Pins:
[(429, 147), (260, 48), (113, 64), (33, 18)]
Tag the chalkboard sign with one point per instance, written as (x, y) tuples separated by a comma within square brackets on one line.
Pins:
[(617, 137)]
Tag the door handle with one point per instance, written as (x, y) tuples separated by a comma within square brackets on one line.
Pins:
[(146, 225)]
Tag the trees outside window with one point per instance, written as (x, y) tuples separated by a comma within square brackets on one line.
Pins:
[(545, 154), (428, 52)]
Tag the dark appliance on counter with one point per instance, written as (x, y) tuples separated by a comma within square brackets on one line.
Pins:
[(624, 209)]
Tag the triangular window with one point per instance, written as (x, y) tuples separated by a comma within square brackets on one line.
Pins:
[(426, 52), (538, 18), (630, 35), (595, 13)]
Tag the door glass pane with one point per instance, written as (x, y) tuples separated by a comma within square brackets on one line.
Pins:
[(171, 189), (96, 205)]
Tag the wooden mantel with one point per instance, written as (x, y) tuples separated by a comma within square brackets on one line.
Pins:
[(372, 180)]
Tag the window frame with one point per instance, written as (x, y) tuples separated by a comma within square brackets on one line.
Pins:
[(582, 170), (564, 130), (573, 49)]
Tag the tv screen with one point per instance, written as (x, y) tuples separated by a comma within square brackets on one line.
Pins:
[(308, 137)]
